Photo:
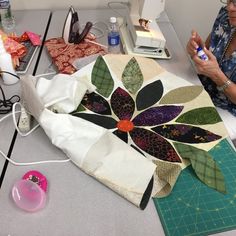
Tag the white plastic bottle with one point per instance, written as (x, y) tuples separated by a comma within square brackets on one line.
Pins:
[(113, 37), (202, 55), (6, 65), (7, 19)]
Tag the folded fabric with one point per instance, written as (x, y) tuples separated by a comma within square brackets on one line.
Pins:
[(13, 47), (136, 131), (94, 149), (63, 55), (63, 93)]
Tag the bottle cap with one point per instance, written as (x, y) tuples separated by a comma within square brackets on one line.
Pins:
[(113, 19)]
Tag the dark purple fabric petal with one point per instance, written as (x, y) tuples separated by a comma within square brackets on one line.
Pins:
[(157, 115), (122, 135), (154, 145), (186, 133), (122, 104), (96, 103)]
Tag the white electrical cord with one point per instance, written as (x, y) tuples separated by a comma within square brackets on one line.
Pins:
[(24, 134), (98, 29), (121, 3), (106, 25), (97, 36), (126, 4), (17, 103), (31, 163)]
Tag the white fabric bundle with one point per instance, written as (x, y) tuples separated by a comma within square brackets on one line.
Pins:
[(92, 148)]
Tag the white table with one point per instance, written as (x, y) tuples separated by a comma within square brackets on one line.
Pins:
[(78, 204), (24, 23)]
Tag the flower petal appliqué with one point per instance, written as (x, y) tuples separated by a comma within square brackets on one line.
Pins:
[(200, 116), (181, 95), (149, 95), (157, 115), (132, 76), (96, 103), (185, 133), (122, 104), (101, 77), (154, 145)]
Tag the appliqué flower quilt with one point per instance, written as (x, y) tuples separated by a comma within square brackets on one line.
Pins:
[(168, 120)]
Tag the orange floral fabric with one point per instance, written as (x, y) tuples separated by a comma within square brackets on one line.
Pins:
[(63, 55)]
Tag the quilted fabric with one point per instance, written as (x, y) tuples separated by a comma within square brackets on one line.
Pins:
[(63, 55), (153, 114), (205, 167), (127, 147)]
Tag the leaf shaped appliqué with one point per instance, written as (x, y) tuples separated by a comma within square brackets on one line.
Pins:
[(96, 103), (186, 133), (149, 95), (132, 76), (157, 115), (204, 166), (101, 77), (181, 95), (154, 145), (200, 116), (122, 104)]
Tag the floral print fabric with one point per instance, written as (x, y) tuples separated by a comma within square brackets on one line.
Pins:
[(220, 36)]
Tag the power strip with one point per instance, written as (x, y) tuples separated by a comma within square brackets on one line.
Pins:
[(25, 120)]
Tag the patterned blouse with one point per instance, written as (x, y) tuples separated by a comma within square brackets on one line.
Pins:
[(220, 36)]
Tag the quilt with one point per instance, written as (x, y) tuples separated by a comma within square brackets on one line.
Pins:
[(134, 127)]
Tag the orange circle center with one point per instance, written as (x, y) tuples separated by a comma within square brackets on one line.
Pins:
[(125, 125)]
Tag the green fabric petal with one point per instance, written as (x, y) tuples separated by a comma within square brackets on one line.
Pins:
[(181, 95), (132, 76), (204, 166), (101, 77), (200, 116)]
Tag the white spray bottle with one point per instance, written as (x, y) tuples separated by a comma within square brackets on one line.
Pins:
[(6, 65)]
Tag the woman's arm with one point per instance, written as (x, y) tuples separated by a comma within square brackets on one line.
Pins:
[(212, 70)]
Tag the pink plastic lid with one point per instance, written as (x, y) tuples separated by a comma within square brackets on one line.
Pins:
[(28, 195)]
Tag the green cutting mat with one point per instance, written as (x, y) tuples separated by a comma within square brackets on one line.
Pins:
[(193, 208)]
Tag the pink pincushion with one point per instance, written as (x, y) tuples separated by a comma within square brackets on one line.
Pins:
[(28, 195)]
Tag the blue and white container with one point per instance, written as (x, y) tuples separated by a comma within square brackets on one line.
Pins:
[(113, 37), (202, 55)]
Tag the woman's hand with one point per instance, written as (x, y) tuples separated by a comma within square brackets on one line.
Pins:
[(208, 68), (212, 70), (194, 42)]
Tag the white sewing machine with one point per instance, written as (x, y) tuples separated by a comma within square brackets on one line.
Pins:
[(140, 34)]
